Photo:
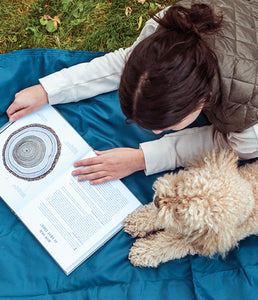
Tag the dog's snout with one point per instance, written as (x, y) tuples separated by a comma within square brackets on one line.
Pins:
[(156, 201)]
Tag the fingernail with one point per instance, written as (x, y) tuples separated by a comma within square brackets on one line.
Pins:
[(75, 164), (12, 119), (73, 173)]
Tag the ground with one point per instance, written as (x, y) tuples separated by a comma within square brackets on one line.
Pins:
[(102, 25)]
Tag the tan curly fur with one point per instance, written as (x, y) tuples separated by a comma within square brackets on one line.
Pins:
[(204, 209)]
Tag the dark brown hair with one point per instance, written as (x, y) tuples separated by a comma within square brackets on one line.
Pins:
[(169, 74)]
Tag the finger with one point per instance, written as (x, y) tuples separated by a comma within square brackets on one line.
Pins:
[(92, 176), (87, 170), (13, 108), (101, 180), (87, 162), (19, 114)]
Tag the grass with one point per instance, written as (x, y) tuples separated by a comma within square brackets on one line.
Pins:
[(90, 25)]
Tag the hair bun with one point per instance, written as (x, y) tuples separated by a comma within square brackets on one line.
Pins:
[(199, 19), (204, 19)]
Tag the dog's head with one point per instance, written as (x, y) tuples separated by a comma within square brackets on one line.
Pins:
[(206, 202)]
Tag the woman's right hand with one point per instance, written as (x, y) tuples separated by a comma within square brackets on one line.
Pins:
[(27, 101)]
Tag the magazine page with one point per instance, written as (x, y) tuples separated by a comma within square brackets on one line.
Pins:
[(73, 219), (35, 151)]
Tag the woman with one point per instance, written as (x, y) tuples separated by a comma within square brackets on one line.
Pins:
[(186, 60)]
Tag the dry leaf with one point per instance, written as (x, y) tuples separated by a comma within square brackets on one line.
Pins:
[(56, 20), (139, 23), (128, 10), (160, 6), (51, 23), (141, 1), (47, 17)]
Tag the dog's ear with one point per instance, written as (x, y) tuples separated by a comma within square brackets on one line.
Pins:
[(165, 186), (166, 199)]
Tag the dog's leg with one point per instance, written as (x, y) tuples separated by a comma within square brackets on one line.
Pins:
[(158, 248), (142, 221)]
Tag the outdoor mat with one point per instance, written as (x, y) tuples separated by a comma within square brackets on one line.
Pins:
[(28, 272)]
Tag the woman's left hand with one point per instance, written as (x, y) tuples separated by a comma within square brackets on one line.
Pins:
[(109, 165)]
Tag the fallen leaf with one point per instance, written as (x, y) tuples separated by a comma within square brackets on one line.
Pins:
[(160, 6), (47, 17), (57, 40), (128, 11), (141, 1), (50, 23), (139, 23), (56, 20), (51, 26), (43, 21)]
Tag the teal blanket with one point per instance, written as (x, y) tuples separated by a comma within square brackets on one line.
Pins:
[(26, 269)]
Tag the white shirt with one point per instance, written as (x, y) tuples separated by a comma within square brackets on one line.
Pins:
[(102, 75)]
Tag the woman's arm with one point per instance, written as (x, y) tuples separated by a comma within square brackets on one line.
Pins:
[(101, 75), (86, 80), (171, 151), (179, 148)]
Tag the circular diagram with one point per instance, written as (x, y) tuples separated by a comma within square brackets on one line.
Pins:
[(31, 152)]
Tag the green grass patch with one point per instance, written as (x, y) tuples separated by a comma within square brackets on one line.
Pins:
[(93, 25)]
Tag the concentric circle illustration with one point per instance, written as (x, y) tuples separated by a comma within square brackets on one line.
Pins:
[(31, 152)]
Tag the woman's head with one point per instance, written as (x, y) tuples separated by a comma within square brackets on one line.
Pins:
[(168, 75)]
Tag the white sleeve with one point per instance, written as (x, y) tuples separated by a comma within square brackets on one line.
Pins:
[(245, 143), (179, 148), (85, 80)]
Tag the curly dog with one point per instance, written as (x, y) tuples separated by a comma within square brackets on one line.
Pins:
[(204, 209)]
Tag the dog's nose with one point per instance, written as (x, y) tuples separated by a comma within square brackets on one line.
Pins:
[(156, 201)]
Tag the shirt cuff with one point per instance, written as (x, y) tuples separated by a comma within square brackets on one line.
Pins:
[(51, 83), (157, 156), (58, 87)]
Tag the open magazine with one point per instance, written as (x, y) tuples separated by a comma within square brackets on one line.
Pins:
[(70, 219)]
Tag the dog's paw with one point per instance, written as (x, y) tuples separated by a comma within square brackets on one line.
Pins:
[(132, 226), (141, 254)]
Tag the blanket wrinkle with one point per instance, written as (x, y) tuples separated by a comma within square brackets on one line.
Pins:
[(246, 276), (193, 279)]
